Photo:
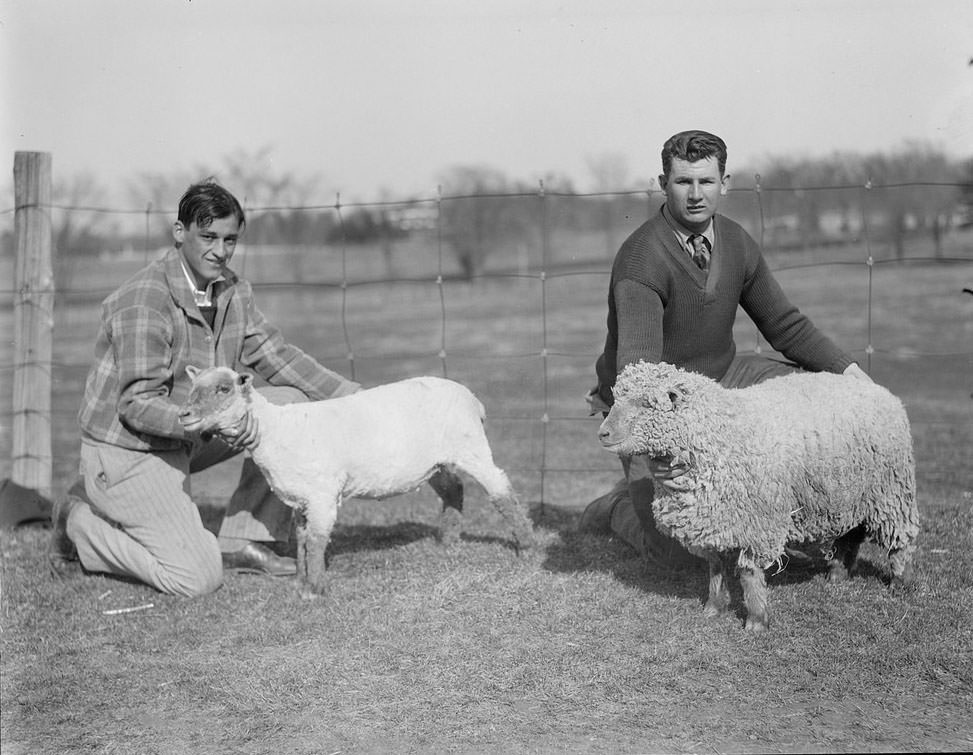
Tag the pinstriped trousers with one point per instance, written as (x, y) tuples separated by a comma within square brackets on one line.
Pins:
[(136, 517)]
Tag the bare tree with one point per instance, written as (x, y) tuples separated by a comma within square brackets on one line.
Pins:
[(277, 197), (80, 219), (474, 210), (920, 194), (609, 172)]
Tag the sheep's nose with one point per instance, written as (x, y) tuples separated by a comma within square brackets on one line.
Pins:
[(603, 433)]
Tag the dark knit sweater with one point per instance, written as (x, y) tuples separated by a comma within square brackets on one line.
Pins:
[(662, 308)]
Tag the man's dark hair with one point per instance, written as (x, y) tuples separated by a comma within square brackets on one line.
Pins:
[(207, 201), (692, 146)]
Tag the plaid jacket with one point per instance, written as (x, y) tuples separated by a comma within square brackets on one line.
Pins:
[(151, 329)]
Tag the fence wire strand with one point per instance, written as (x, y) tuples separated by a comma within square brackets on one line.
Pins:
[(549, 272)]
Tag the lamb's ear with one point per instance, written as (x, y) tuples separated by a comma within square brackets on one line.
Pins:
[(245, 381), (192, 371)]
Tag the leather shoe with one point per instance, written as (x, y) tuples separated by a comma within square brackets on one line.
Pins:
[(597, 516), (62, 553), (666, 552), (797, 558), (257, 558)]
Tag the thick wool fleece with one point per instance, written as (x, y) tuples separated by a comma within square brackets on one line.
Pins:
[(805, 457)]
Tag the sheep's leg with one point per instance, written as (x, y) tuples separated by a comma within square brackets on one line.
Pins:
[(515, 514), (845, 553), (320, 517), (900, 559), (300, 532), (314, 582), (755, 597), (719, 593), (501, 493), (449, 488)]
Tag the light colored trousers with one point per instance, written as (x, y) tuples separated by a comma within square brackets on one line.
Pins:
[(137, 518)]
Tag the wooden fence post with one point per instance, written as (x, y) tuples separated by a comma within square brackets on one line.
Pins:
[(32, 456)]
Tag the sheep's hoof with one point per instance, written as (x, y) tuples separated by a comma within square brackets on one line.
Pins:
[(714, 611), (309, 591), (524, 545), (449, 538), (838, 573), (905, 579), (757, 626)]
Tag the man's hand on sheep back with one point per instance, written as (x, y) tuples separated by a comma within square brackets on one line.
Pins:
[(668, 472), (853, 370)]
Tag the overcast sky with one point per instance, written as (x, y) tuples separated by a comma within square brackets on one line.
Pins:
[(385, 94)]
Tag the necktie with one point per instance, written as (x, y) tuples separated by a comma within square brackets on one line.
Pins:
[(700, 251)]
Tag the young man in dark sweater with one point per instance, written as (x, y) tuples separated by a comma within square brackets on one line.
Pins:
[(675, 287)]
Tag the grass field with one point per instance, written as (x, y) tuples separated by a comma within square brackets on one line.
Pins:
[(577, 646)]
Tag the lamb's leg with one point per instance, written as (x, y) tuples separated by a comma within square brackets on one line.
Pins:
[(754, 597), (719, 593), (501, 493), (315, 581), (449, 488), (844, 553), (300, 533), (320, 516)]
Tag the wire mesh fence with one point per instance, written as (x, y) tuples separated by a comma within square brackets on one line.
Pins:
[(507, 293)]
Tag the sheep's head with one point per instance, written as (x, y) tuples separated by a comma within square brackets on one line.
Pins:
[(652, 413), (218, 400)]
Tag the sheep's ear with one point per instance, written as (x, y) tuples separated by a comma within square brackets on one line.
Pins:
[(192, 371), (245, 381), (675, 398)]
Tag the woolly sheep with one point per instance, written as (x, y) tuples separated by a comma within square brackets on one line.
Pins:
[(371, 444), (808, 457)]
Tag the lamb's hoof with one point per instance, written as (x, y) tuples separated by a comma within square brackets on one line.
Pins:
[(450, 539), (524, 545), (714, 611), (757, 626), (309, 591), (838, 573)]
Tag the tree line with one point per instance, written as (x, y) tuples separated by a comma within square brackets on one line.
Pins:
[(805, 201)]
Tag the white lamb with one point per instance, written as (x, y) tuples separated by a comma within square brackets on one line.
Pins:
[(809, 457), (375, 443)]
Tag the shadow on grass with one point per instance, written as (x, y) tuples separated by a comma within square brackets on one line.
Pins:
[(576, 551), (348, 539)]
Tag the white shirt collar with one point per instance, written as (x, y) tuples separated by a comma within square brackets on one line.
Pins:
[(203, 298), (683, 234)]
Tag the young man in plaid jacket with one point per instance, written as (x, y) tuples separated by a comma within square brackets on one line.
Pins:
[(131, 512)]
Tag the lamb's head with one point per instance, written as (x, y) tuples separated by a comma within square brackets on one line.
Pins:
[(653, 413), (218, 400)]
